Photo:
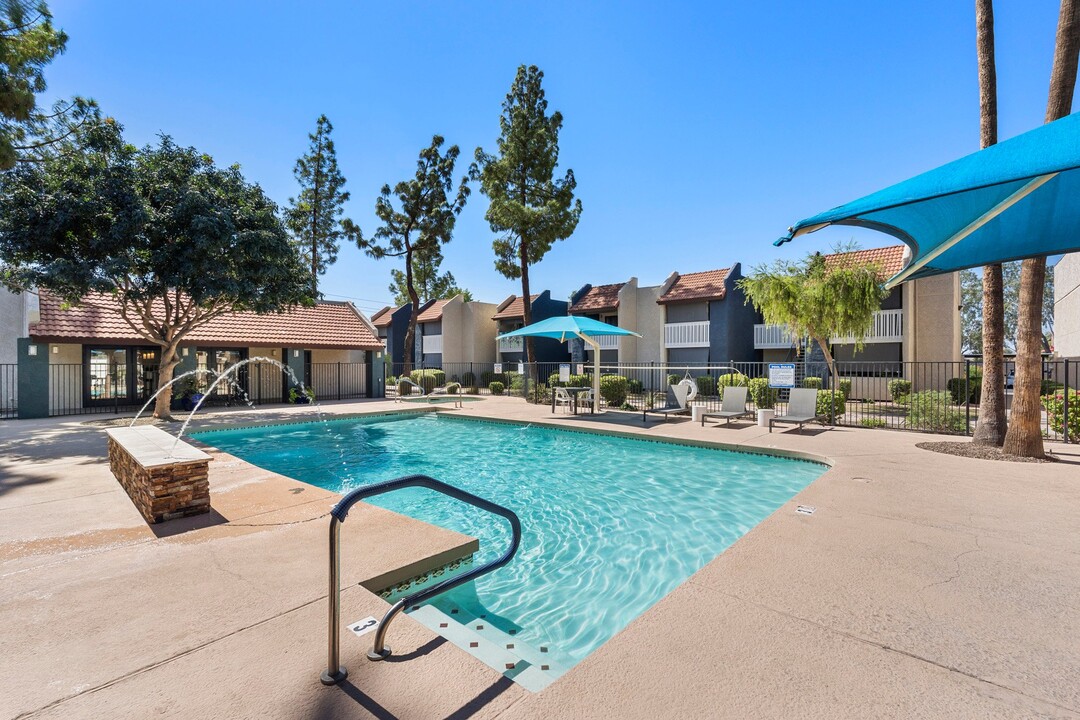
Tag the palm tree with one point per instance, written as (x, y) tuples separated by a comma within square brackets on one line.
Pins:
[(1024, 436), (990, 428)]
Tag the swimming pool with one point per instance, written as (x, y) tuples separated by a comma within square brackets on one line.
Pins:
[(610, 524)]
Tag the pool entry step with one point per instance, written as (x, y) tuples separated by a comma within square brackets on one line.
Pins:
[(527, 665)]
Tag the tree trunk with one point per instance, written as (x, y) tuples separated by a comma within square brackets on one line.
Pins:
[(991, 423), (1024, 436), (834, 377), (990, 427), (166, 367), (526, 300), (410, 334)]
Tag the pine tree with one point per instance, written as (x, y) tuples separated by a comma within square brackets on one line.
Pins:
[(424, 222), (314, 216), (529, 207), (430, 285)]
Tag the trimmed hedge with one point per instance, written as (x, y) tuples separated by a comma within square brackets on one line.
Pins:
[(453, 388), (428, 379), (811, 381), (403, 387), (635, 386), (764, 397), (838, 401), (673, 379), (899, 389), (735, 379), (955, 386), (613, 389), (496, 387), (575, 381), (932, 410), (468, 379), (706, 385), (844, 386)]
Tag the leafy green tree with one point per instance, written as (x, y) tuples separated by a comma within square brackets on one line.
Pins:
[(314, 216), (430, 285), (530, 209), (1024, 436), (29, 42), (160, 234), (423, 224), (817, 301)]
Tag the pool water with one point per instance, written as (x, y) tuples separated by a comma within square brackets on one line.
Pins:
[(610, 525)]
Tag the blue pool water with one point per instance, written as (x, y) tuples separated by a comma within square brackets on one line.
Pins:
[(610, 525)]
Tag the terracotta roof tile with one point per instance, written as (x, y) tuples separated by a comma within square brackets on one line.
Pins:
[(891, 259), (326, 325), (512, 307), (433, 311), (708, 285), (383, 317), (598, 297)]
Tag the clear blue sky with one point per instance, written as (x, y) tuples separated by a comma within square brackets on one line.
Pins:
[(697, 132)]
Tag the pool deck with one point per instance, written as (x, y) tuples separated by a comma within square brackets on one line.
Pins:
[(923, 585)]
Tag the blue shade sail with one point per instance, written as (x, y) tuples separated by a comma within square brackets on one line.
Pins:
[(1014, 200)]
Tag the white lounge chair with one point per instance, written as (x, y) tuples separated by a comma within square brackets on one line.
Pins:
[(681, 391), (802, 408), (733, 406)]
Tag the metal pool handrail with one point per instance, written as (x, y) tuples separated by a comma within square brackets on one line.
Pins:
[(335, 673), (415, 385)]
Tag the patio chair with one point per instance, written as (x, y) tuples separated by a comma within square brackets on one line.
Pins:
[(681, 391), (585, 400), (802, 408), (734, 406), (562, 397)]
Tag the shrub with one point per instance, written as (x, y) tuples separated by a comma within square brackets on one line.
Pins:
[(735, 379), (811, 381), (574, 381), (899, 389), (496, 387), (873, 422), (955, 386), (540, 396), (931, 410), (706, 385), (613, 389), (1055, 410), (634, 386), (472, 390), (762, 395), (487, 377), (673, 379), (468, 379), (1049, 387), (517, 382), (452, 388), (844, 386), (404, 387), (428, 379), (831, 404)]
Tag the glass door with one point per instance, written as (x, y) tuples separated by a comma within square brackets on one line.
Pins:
[(106, 375)]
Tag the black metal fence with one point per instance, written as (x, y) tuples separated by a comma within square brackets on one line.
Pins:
[(9, 390), (937, 397), (337, 381)]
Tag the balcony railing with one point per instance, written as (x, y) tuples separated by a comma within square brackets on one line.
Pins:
[(606, 342), (686, 334), (772, 337), (432, 344), (888, 327), (512, 345)]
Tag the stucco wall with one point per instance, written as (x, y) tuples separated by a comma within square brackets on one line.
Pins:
[(65, 376), (12, 324), (932, 319), (1067, 306), (650, 324), (468, 332)]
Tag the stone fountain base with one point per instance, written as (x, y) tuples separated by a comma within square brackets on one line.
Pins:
[(165, 479)]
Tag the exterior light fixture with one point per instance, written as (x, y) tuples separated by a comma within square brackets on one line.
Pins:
[(296, 353), (31, 350), (55, 349)]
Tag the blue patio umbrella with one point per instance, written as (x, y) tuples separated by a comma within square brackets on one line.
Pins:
[(571, 326), (1017, 199)]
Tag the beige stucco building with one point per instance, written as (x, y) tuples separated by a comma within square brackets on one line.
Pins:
[(1067, 306)]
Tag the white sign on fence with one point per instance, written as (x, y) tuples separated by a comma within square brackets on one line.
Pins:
[(782, 375), (498, 368), (581, 368), (564, 372), (521, 368)]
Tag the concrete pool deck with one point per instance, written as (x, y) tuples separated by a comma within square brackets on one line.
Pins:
[(923, 585)]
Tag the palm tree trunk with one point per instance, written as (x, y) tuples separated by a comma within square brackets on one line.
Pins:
[(990, 427), (1024, 436)]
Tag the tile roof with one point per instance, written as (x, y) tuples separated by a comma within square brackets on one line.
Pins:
[(598, 297), (433, 311), (326, 325), (891, 259), (708, 285), (383, 317), (512, 307)]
